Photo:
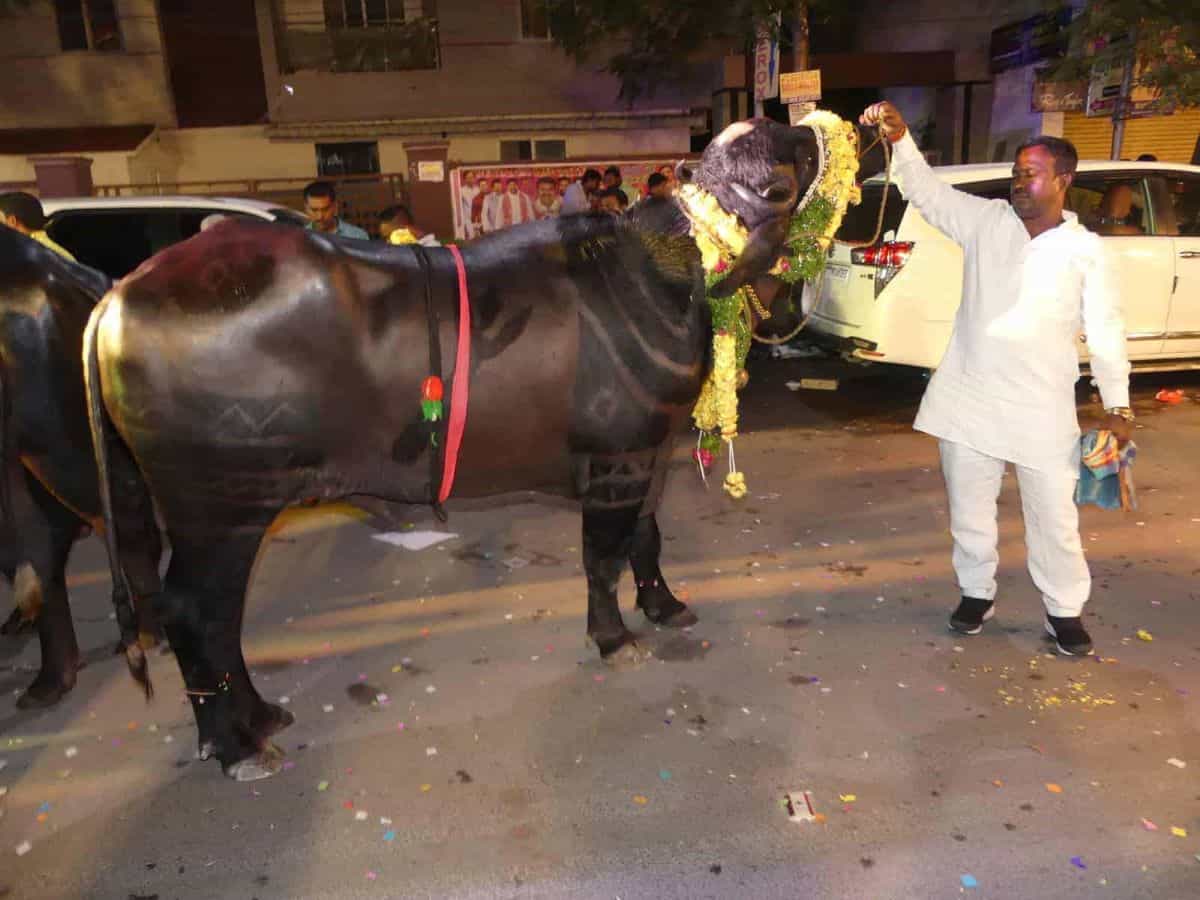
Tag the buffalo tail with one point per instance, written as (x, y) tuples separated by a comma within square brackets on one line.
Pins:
[(103, 431)]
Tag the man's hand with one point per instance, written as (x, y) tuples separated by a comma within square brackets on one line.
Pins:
[(1121, 428), (887, 117)]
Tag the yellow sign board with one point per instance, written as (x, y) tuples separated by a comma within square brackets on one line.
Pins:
[(796, 87)]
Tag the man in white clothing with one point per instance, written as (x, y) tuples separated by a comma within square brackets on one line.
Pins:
[(1033, 279)]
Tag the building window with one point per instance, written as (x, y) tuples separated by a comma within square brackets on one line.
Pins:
[(349, 158), (88, 25), (364, 36), (528, 151), (535, 24), (363, 13), (549, 149)]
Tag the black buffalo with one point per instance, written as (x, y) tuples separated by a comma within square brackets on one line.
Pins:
[(49, 494), (255, 367)]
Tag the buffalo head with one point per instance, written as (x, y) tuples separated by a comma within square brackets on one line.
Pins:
[(758, 170)]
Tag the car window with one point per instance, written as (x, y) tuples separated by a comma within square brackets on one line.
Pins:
[(1110, 204), (1176, 204), (860, 221), (117, 241)]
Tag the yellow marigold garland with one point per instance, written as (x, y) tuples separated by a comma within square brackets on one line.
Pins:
[(721, 237)]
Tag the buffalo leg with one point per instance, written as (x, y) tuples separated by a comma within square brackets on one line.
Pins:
[(203, 605), (615, 493), (607, 535), (654, 598), (49, 533)]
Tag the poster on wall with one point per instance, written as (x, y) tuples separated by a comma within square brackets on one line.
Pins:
[(494, 196)]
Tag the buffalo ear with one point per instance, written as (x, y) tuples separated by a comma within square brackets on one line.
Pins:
[(763, 247)]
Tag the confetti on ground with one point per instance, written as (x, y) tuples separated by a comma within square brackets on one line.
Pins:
[(1053, 788), (968, 881), (389, 835), (431, 751), (998, 783), (1144, 635), (1178, 832), (430, 689), (360, 816), (664, 774), (1177, 763), (322, 785), (1078, 862), (328, 707), (640, 800), (71, 752), (1148, 825), (426, 788), (371, 876), (23, 848), (847, 798)]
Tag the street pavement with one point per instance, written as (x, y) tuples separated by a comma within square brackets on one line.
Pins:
[(457, 738)]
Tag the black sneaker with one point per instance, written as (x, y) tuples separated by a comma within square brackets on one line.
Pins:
[(1069, 635), (971, 614)]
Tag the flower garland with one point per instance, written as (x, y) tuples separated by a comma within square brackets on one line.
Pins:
[(721, 237)]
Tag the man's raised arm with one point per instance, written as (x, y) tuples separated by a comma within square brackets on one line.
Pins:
[(951, 211)]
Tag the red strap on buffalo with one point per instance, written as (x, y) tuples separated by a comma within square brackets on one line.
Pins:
[(460, 386)]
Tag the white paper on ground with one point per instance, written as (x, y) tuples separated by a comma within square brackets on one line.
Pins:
[(414, 540)]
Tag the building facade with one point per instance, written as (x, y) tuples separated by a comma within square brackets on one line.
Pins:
[(159, 94), (254, 96)]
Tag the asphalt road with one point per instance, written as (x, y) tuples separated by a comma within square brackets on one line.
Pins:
[(456, 737)]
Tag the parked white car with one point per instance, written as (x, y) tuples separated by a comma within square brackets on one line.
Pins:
[(117, 234), (895, 301)]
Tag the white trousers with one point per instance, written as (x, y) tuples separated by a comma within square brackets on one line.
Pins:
[(1055, 553)]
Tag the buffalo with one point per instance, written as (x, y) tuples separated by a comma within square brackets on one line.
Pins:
[(49, 495), (256, 367)]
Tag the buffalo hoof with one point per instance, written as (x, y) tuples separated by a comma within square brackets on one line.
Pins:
[(264, 764), (628, 657), (42, 694), (16, 624), (681, 618), (277, 720), (660, 607)]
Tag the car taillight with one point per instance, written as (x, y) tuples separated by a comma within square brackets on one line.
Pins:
[(888, 255)]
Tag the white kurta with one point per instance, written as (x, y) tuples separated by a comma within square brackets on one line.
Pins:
[(1006, 384)]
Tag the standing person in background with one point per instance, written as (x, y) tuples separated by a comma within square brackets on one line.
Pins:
[(612, 201), (658, 187), (577, 198), (612, 179), (396, 226), (24, 213), (1033, 278), (323, 211)]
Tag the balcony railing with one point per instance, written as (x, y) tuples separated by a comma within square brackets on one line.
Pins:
[(399, 47)]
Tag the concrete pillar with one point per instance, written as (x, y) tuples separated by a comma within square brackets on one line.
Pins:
[(63, 176)]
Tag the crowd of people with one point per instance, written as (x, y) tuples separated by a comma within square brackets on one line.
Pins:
[(491, 204)]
